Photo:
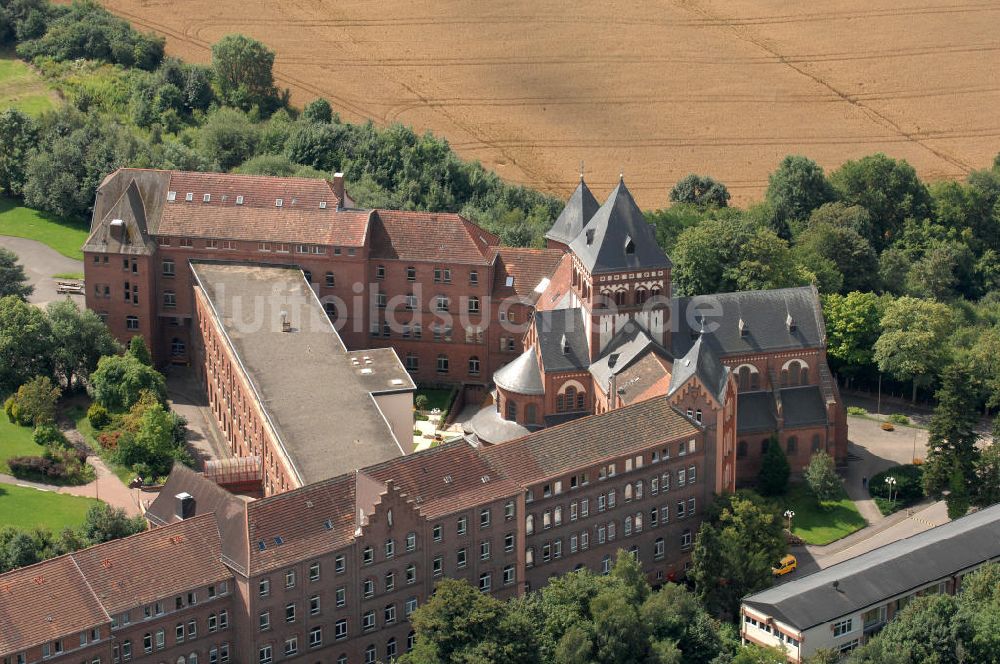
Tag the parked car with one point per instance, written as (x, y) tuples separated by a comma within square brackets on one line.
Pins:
[(786, 566)]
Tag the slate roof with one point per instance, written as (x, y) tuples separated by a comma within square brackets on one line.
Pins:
[(299, 518), (521, 375), (591, 439), (143, 568), (47, 601), (765, 313), (755, 412), (526, 269), (445, 479), (325, 419), (424, 236), (601, 247), (626, 346), (886, 572), (130, 209), (488, 426), (580, 207), (550, 329), (702, 362), (803, 406)]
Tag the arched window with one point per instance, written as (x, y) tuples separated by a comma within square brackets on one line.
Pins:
[(370, 654), (530, 414), (816, 443), (331, 310), (697, 415), (330, 280), (741, 449), (628, 492), (474, 365), (641, 295), (529, 524), (628, 525), (581, 398), (570, 397), (744, 378), (620, 297), (511, 410), (793, 444), (473, 305), (560, 403), (309, 275), (804, 376)]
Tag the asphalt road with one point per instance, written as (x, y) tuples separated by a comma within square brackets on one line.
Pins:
[(40, 263)]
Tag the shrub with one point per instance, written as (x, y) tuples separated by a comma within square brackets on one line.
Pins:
[(34, 402), (856, 410), (47, 435), (887, 426), (108, 440), (14, 412), (420, 402), (98, 416), (897, 418), (774, 471), (909, 484), (56, 465)]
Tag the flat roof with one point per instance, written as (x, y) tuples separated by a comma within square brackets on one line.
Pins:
[(324, 414), (380, 371), (888, 571)]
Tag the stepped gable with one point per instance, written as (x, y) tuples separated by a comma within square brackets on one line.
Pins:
[(441, 237), (618, 238), (580, 207)]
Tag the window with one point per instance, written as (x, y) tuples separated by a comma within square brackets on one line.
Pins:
[(691, 475), (368, 588), (412, 363), (793, 443), (473, 366), (290, 578), (390, 548), (264, 655), (341, 597), (484, 550), (411, 541), (686, 539), (529, 524), (168, 268), (463, 525), (442, 364), (508, 542), (658, 548), (291, 646), (410, 606), (264, 620), (161, 639), (473, 305), (390, 648), (315, 637), (290, 612), (330, 280), (437, 566), (411, 573), (843, 627), (411, 273), (314, 605), (485, 582), (368, 620), (380, 271), (606, 565), (213, 623), (339, 565), (132, 322), (460, 558), (389, 614), (368, 555), (370, 655), (441, 302), (340, 629), (147, 643)]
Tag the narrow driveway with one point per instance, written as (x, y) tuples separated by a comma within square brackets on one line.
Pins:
[(40, 263), (187, 398)]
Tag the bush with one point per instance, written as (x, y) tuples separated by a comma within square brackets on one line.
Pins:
[(856, 410), (774, 471), (420, 402), (47, 435), (887, 426), (34, 402), (56, 465), (14, 412), (98, 416), (897, 418), (909, 484)]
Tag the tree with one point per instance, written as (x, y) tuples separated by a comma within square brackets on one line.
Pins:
[(988, 471), (821, 475), (752, 653), (853, 325), (924, 631), (772, 480), (228, 138), (25, 343), (318, 110), (120, 380), (137, 348), (677, 622), (850, 253), (912, 343), (34, 403), (979, 614), (952, 435), (957, 499), (153, 448), (18, 134), (243, 72), (700, 190), (13, 280), (797, 187), (888, 188), (104, 523), (735, 550), (80, 340)]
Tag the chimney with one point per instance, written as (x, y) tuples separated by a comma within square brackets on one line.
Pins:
[(286, 325), (117, 230), (184, 505), (338, 189)]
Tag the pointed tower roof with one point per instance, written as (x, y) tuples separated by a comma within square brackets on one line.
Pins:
[(580, 207), (702, 362), (618, 238)]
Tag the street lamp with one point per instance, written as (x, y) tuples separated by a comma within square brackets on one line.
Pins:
[(788, 515), (891, 481)]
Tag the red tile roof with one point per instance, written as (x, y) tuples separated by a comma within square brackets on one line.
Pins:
[(559, 285), (258, 191), (155, 564), (589, 440), (445, 479), (44, 602), (299, 518), (527, 267), (430, 236)]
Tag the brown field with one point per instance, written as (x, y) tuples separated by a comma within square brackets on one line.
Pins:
[(656, 89)]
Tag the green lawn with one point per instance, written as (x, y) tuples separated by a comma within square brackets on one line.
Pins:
[(63, 235), (820, 525), (15, 441), (436, 398), (24, 507), (22, 88)]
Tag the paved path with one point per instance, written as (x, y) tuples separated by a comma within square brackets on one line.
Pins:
[(40, 263), (187, 398), (106, 487)]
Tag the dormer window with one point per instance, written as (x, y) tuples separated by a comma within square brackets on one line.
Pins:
[(744, 328), (171, 195), (278, 202), (322, 205), (207, 198), (189, 196), (565, 345), (629, 245), (590, 236), (239, 200), (790, 323)]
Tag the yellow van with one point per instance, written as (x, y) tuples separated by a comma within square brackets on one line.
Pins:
[(787, 565)]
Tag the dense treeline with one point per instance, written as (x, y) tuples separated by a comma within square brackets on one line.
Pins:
[(128, 105)]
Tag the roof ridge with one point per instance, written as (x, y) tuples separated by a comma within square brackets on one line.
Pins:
[(86, 581)]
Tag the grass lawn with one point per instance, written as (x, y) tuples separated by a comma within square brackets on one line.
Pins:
[(817, 524), (436, 398), (78, 414), (24, 507), (73, 276), (63, 235), (15, 441), (22, 88)]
